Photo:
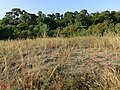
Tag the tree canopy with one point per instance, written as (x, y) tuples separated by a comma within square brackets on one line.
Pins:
[(19, 23)]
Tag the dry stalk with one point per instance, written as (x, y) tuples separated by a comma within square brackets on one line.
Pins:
[(62, 61)]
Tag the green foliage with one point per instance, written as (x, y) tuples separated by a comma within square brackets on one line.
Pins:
[(117, 28), (40, 30), (100, 29), (19, 23), (7, 32), (0, 22)]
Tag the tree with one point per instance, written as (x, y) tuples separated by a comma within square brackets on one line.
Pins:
[(41, 17), (25, 17), (16, 12), (117, 28), (40, 30), (7, 32), (12, 17), (6, 20), (57, 16), (69, 18), (101, 17), (32, 19), (83, 19), (19, 23), (0, 22), (50, 21)]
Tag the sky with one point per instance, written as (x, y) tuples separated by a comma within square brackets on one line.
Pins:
[(61, 6)]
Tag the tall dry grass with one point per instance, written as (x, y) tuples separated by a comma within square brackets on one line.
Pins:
[(79, 63)]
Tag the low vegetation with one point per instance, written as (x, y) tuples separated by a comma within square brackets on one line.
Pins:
[(79, 63)]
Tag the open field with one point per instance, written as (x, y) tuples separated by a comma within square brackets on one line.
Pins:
[(80, 63)]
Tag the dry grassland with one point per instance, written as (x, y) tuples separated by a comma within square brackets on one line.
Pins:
[(80, 63)]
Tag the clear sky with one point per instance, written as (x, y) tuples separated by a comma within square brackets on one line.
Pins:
[(52, 6)]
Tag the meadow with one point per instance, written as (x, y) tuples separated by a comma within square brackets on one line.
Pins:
[(78, 63)]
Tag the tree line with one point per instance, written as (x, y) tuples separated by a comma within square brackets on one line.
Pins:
[(19, 23)]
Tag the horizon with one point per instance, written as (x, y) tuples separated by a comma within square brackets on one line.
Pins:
[(51, 6)]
